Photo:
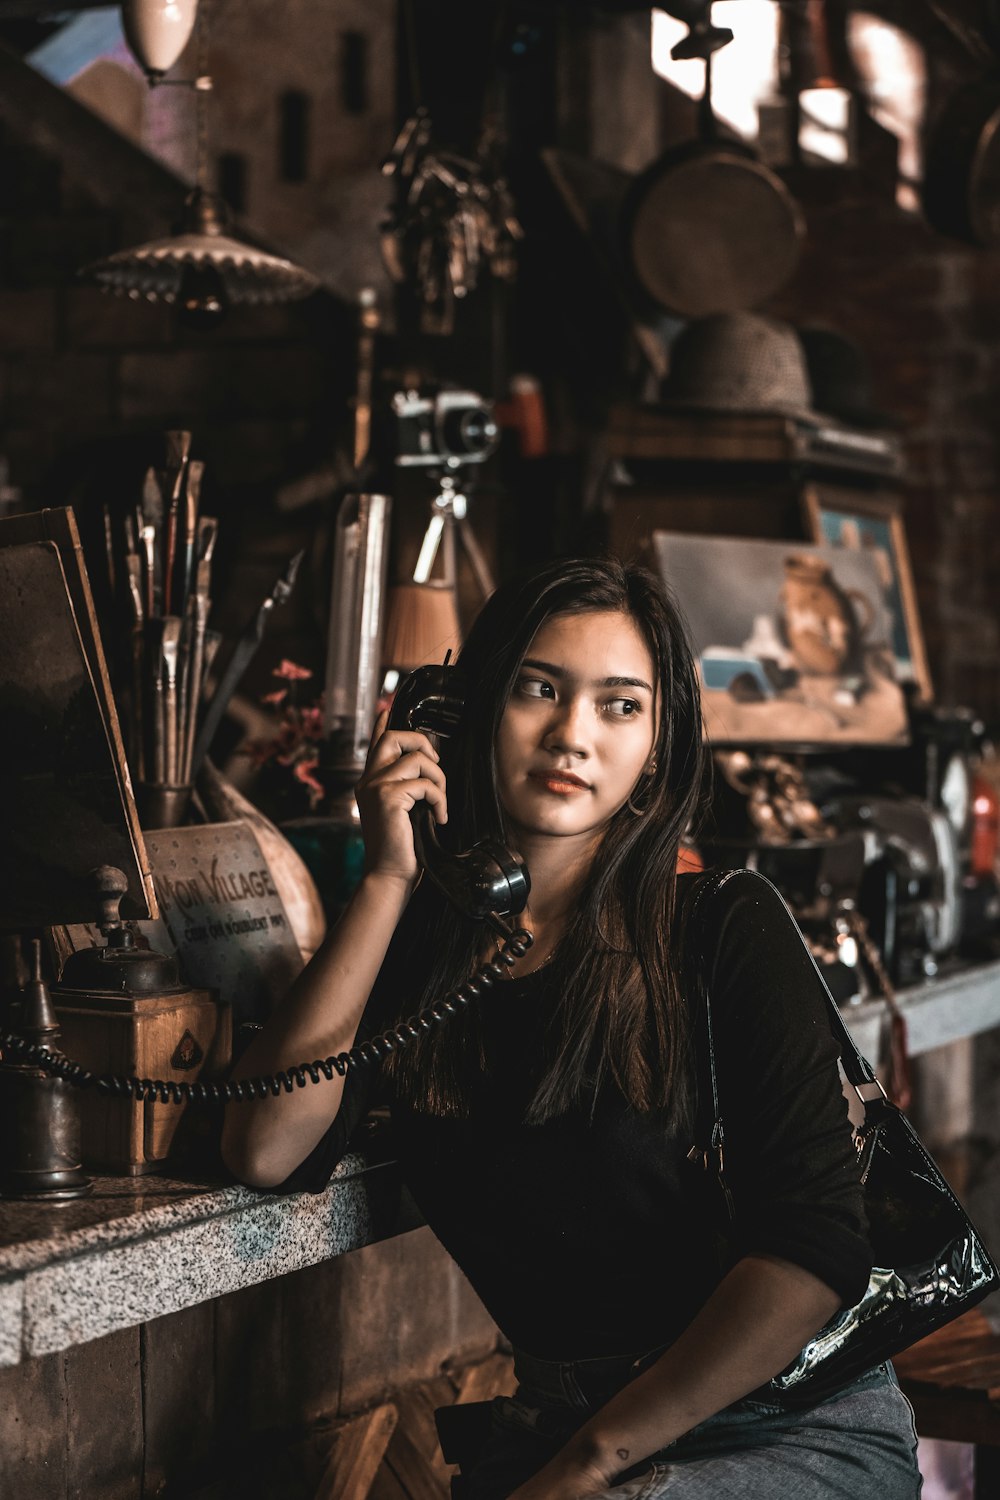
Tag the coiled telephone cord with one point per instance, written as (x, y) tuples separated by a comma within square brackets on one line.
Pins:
[(171, 1091)]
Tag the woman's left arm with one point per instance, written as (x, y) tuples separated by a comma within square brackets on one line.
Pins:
[(751, 1327)]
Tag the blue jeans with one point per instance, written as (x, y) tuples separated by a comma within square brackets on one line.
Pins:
[(859, 1445)]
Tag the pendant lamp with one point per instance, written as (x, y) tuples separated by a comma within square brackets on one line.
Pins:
[(199, 268)]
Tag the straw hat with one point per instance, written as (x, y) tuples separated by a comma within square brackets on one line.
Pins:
[(739, 362)]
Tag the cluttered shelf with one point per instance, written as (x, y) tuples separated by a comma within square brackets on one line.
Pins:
[(960, 1001), (139, 1247)]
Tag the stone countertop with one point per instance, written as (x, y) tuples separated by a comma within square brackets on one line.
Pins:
[(139, 1247)]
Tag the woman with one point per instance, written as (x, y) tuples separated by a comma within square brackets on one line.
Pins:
[(545, 1132)]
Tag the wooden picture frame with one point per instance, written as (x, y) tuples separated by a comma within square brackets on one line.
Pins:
[(872, 520)]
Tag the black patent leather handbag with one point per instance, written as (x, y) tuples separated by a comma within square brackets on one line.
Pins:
[(930, 1263)]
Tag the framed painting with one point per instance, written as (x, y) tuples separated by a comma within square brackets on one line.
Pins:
[(872, 522), (792, 640)]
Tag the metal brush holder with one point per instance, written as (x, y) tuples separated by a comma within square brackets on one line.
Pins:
[(160, 804)]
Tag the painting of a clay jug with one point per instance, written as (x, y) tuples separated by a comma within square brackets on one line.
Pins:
[(823, 624)]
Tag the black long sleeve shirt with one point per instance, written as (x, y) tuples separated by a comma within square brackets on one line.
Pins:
[(592, 1233)]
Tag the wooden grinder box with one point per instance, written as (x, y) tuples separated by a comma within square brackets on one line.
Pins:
[(172, 1036)]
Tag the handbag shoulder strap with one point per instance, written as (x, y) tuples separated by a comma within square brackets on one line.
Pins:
[(857, 1069), (710, 1133)]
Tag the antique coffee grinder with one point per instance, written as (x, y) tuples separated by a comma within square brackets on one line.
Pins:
[(124, 1010), (39, 1115)]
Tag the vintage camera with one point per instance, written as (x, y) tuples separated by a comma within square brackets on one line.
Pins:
[(443, 428)]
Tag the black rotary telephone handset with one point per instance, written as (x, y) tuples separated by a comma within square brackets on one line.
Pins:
[(487, 883)]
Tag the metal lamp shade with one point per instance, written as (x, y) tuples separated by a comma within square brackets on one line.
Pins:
[(155, 271)]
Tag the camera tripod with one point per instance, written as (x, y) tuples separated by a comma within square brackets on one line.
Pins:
[(449, 517)]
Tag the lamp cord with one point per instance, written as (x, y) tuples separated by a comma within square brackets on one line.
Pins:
[(203, 87)]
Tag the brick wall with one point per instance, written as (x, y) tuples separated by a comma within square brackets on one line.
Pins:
[(78, 366), (926, 310)]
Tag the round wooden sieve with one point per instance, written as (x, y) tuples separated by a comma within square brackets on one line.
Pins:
[(708, 229)]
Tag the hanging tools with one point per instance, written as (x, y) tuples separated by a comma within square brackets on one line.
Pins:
[(450, 218)]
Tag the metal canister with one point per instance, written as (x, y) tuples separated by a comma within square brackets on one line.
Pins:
[(40, 1153)]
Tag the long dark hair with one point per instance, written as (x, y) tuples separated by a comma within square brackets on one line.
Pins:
[(620, 1013)]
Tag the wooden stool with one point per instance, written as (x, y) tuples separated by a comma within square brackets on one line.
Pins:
[(952, 1377)]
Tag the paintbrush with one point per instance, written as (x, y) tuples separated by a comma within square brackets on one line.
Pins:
[(152, 521), (183, 690), (155, 719), (178, 448), (149, 557), (198, 619), (109, 546), (133, 574), (152, 499), (213, 640), (169, 654), (133, 569), (208, 535), (192, 496)]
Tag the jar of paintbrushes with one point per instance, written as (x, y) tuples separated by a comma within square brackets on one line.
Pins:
[(168, 565)]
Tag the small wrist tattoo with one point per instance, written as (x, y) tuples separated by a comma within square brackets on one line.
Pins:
[(622, 1453)]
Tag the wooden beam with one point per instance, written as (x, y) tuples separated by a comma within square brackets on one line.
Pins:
[(413, 1458), (356, 1450)]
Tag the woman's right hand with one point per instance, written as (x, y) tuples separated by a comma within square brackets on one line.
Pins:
[(402, 769)]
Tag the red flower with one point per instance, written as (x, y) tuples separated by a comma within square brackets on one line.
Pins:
[(297, 727), (287, 739), (312, 723), (291, 672), (304, 772), (259, 751)]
